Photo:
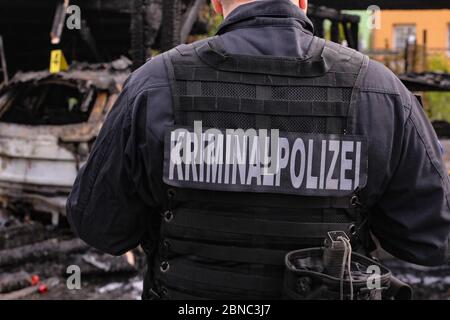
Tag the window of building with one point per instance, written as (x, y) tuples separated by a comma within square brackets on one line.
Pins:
[(403, 34), (448, 40)]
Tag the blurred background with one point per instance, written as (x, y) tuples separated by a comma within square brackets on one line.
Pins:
[(62, 66)]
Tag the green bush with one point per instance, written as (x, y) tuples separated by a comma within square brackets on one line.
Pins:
[(438, 103)]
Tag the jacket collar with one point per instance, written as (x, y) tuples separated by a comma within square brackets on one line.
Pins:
[(266, 13)]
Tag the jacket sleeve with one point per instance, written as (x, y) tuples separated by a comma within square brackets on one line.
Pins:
[(105, 208), (412, 218)]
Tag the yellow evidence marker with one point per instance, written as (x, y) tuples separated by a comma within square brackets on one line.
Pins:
[(58, 62)]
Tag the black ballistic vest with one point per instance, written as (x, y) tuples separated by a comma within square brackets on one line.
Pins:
[(223, 243)]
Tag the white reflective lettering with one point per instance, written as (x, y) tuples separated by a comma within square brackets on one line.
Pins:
[(283, 146), (311, 181), (322, 164), (245, 159), (346, 165), (332, 184), (298, 148)]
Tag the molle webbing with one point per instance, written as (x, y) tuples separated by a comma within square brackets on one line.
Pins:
[(236, 91), (218, 283), (235, 227)]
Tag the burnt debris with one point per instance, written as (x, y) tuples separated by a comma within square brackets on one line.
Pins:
[(109, 30), (426, 81), (34, 262), (48, 123)]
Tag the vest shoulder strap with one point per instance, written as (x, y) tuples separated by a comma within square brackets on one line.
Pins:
[(324, 57)]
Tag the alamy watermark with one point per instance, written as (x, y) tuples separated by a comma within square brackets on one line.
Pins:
[(374, 280), (73, 21), (374, 23), (73, 281), (189, 147)]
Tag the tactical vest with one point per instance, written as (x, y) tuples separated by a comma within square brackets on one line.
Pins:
[(229, 240)]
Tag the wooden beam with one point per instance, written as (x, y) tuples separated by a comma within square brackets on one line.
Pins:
[(20, 294), (3, 66), (42, 250), (58, 21), (190, 20)]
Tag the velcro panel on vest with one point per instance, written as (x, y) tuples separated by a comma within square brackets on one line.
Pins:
[(300, 164)]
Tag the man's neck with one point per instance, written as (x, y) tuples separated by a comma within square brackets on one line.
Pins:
[(233, 5)]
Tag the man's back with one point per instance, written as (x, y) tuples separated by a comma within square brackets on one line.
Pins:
[(120, 195)]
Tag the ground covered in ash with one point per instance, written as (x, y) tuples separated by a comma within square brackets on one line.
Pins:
[(39, 261), (429, 283)]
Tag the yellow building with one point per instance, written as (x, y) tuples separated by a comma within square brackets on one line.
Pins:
[(400, 26)]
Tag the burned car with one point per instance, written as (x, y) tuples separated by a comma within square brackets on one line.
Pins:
[(48, 123)]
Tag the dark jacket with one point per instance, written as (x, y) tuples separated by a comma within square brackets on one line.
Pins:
[(119, 192)]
